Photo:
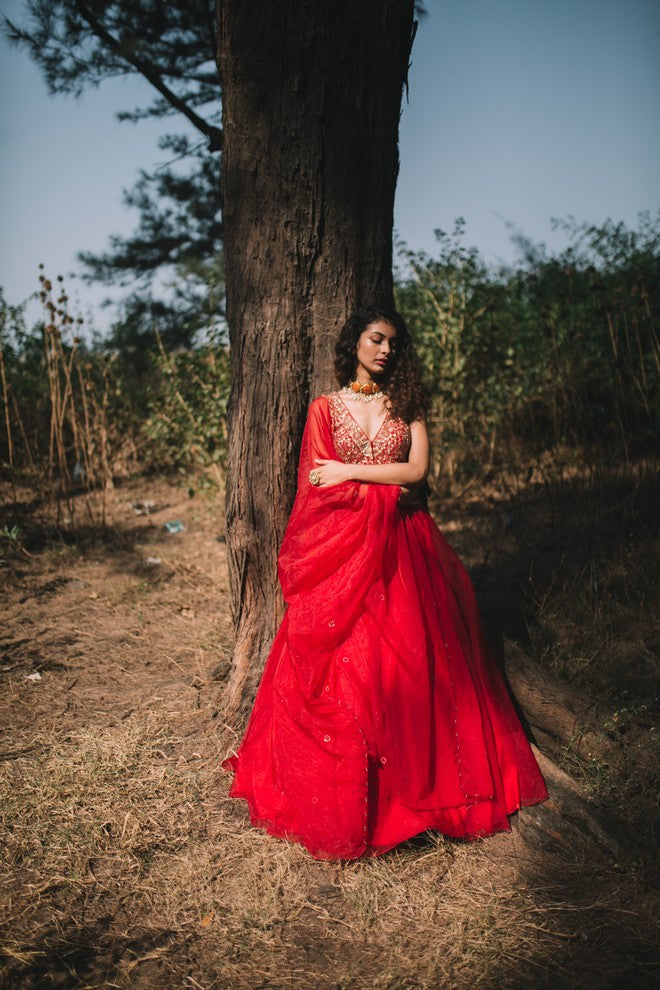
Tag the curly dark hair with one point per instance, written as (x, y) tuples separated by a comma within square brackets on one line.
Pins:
[(402, 382)]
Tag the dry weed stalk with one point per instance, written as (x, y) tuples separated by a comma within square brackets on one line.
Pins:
[(10, 443), (78, 447)]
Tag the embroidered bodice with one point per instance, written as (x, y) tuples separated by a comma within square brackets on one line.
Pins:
[(390, 444)]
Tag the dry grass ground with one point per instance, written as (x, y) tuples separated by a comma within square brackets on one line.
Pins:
[(124, 864)]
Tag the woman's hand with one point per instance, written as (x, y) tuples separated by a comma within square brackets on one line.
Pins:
[(331, 472)]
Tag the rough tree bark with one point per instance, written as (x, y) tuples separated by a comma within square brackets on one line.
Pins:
[(311, 103)]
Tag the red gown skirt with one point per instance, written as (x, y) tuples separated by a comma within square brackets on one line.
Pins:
[(380, 712)]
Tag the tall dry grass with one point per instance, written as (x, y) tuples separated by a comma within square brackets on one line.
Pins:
[(75, 454)]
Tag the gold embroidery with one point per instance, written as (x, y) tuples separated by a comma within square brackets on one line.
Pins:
[(390, 445)]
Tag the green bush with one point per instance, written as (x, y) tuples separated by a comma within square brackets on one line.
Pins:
[(546, 363), (187, 402), (558, 354), (76, 411)]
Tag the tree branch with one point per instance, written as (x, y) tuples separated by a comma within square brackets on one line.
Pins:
[(214, 134)]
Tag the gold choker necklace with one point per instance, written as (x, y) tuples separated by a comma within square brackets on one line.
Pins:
[(366, 392)]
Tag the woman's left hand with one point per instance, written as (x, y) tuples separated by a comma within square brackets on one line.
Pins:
[(331, 472)]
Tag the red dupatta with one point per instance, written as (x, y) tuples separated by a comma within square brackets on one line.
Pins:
[(331, 555)]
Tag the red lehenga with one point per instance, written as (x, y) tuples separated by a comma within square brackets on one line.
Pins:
[(380, 712)]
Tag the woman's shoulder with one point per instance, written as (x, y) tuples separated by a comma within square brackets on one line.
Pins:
[(323, 400), (319, 409)]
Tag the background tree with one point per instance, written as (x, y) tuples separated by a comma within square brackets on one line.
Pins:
[(172, 46)]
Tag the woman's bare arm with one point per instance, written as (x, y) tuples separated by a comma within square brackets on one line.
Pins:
[(410, 472)]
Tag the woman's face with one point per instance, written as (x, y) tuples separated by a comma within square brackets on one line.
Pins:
[(375, 350)]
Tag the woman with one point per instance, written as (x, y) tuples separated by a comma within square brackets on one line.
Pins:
[(380, 712)]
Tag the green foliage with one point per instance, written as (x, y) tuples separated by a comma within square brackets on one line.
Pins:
[(174, 41), (186, 425), (75, 411), (556, 355), (541, 365), (191, 315)]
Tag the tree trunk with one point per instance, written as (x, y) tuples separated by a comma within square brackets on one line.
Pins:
[(311, 104)]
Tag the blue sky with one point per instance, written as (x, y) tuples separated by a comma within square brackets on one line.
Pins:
[(524, 110), (518, 111)]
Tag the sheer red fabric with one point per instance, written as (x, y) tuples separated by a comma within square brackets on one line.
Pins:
[(380, 712)]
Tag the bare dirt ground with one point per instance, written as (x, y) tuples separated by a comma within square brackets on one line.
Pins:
[(124, 864)]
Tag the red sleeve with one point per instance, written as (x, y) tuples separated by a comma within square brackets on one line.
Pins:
[(318, 442)]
